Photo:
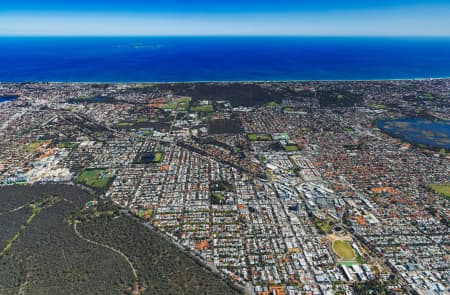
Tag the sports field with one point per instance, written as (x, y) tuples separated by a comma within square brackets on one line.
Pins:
[(443, 189), (202, 108), (343, 250), (96, 178), (124, 124), (290, 148), (180, 104), (258, 137)]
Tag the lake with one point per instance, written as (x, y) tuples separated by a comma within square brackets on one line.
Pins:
[(435, 134), (4, 99)]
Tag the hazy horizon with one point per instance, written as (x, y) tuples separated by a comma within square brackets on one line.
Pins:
[(322, 18)]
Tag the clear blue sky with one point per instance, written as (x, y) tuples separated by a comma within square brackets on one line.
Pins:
[(232, 17)]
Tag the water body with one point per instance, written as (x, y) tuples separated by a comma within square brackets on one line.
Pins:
[(164, 59), (5, 99), (147, 158), (419, 131)]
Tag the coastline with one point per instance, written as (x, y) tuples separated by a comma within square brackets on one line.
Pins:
[(234, 81)]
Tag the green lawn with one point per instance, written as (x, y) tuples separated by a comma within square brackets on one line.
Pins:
[(158, 157), (428, 95), (202, 109), (258, 137), (217, 198), (252, 136), (290, 148), (66, 145), (379, 106), (184, 99), (170, 106), (272, 104), (98, 179), (142, 120), (181, 104), (124, 124), (33, 146), (344, 250), (148, 133), (347, 263), (443, 189), (323, 226)]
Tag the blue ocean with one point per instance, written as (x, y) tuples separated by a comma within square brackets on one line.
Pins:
[(180, 59)]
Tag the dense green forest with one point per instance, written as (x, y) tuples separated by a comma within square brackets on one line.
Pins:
[(45, 255)]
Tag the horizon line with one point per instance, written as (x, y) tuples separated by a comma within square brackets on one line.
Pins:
[(225, 35), (231, 81)]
